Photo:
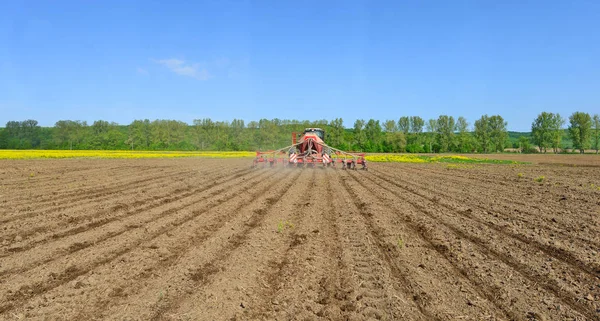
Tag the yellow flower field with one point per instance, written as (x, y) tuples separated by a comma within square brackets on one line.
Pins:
[(412, 158), (396, 158), (57, 154), (384, 158)]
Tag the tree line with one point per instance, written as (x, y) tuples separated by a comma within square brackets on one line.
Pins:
[(407, 134)]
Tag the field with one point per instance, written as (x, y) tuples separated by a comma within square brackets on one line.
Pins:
[(117, 154), (213, 239)]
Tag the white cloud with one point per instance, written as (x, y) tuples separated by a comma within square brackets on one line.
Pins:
[(183, 68)]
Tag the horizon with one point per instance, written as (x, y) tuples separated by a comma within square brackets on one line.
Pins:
[(471, 129), (121, 61)]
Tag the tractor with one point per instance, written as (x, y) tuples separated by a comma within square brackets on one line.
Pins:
[(309, 149)]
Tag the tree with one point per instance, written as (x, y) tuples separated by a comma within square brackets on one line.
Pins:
[(395, 140), (556, 128), (389, 126), (404, 125), (596, 127), (445, 133), (373, 135), (336, 134), (238, 139), (177, 131), (69, 132), (30, 133), (62, 132), (463, 137), (22, 134), (416, 125), (580, 130), (12, 134), (498, 132), (431, 128), (541, 130), (203, 133), (524, 144), (106, 135), (359, 134), (482, 133), (99, 138), (414, 139), (139, 134), (266, 134)]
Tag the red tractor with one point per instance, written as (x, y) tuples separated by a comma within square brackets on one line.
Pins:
[(310, 150)]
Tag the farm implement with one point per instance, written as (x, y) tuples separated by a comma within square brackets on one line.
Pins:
[(310, 150)]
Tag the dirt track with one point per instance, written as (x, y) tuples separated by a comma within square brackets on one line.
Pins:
[(199, 239)]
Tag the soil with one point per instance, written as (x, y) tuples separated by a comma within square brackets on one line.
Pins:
[(208, 239)]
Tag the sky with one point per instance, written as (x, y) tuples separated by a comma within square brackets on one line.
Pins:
[(124, 60)]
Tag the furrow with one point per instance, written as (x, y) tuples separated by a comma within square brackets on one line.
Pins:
[(68, 270), (82, 199), (548, 284), (557, 253), (112, 214), (202, 275), (48, 252), (480, 287), (382, 250)]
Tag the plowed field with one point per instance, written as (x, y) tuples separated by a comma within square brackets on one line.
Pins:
[(207, 239)]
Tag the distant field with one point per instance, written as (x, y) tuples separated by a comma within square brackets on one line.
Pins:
[(118, 154), (433, 158), (559, 159), (556, 159), (36, 154)]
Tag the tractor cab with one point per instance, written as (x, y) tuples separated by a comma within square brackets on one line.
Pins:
[(315, 131)]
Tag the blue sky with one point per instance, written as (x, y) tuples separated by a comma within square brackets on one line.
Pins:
[(126, 60)]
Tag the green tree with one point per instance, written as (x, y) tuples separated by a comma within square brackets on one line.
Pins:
[(445, 133), (524, 144), (70, 132), (238, 139), (30, 133), (404, 125), (389, 126), (99, 134), (61, 133), (416, 125), (482, 133), (267, 130), (13, 133), (3, 139), (336, 133), (373, 134), (359, 134), (139, 134), (580, 130), (431, 128), (395, 140), (204, 133), (159, 134), (414, 137), (498, 132), (596, 127), (106, 135), (556, 127), (22, 134), (463, 137), (542, 130)]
